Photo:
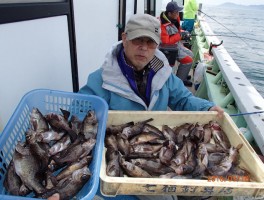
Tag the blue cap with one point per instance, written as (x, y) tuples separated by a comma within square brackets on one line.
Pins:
[(173, 6)]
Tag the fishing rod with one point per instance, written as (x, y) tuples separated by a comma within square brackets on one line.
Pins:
[(230, 36), (241, 38), (225, 27), (247, 113)]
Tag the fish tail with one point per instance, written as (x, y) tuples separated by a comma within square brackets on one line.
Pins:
[(72, 134)]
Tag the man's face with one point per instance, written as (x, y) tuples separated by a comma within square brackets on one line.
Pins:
[(173, 15), (139, 51)]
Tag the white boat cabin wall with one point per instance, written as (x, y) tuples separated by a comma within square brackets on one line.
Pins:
[(55, 44)]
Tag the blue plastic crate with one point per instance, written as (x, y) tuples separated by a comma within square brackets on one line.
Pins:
[(51, 101)]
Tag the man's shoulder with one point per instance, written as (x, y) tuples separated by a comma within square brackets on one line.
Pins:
[(97, 74)]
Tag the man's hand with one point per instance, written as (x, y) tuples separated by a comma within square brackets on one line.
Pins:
[(185, 35), (219, 110), (55, 196)]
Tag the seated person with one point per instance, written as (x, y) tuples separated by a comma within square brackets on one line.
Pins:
[(171, 35)]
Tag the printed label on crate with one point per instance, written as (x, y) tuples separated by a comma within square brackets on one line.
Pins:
[(203, 191)]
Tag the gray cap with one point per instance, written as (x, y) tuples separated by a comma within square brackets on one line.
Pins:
[(173, 6), (143, 25)]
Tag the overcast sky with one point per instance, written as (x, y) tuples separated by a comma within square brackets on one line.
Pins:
[(243, 2), (217, 2)]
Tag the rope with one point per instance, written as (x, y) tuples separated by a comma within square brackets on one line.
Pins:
[(247, 113)]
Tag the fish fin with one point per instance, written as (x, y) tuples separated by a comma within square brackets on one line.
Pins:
[(64, 182), (53, 180), (23, 150), (146, 121), (72, 134), (129, 123), (47, 193), (239, 146), (66, 113)]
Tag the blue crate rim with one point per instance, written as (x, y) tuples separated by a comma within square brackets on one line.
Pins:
[(98, 161), (50, 91)]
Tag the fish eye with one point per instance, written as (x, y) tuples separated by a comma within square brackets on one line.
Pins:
[(85, 176), (137, 163)]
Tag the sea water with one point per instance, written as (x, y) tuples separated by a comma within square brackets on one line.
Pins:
[(243, 38)]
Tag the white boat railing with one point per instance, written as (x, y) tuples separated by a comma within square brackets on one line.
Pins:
[(247, 98)]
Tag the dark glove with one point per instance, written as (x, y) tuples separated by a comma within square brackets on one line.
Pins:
[(185, 35)]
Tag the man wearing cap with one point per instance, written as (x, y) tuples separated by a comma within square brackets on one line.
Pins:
[(135, 75), (171, 36)]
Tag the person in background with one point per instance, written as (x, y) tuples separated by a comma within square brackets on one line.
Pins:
[(136, 75), (189, 12), (171, 36)]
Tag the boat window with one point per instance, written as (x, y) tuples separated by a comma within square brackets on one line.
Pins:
[(160, 6), (150, 7), (130, 9), (126, 9)]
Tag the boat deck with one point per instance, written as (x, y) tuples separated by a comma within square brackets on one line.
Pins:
[(192, 89)]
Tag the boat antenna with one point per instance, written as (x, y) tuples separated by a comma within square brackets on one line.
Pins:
[(225, 27)]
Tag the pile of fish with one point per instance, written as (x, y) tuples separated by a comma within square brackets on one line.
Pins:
[(186, 151), (54, 156)]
